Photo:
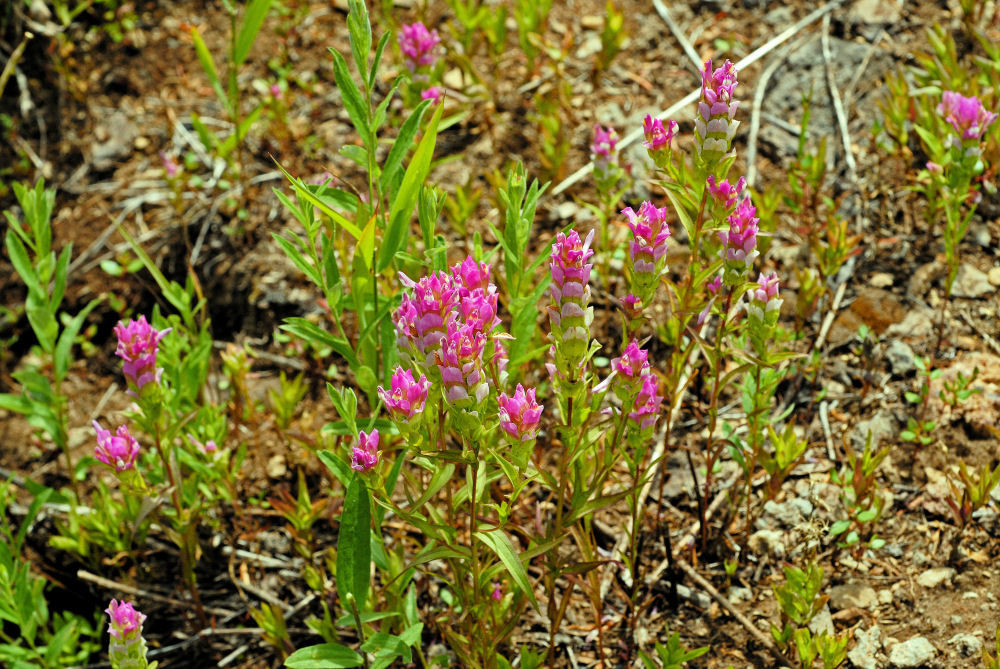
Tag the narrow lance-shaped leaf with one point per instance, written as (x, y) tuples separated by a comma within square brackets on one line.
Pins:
[(253, 19), (353, 547)]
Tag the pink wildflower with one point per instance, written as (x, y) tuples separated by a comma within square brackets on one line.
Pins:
[(724, 193), (603, 147), (714, 125), (740, 243), (647, 409), (364, 455), (658, 138), (519, 414), (966, 114), (632, 306), (497, 593), (137, 347), (127, 648), (418, 44), (764, 302), (422, 320), (648, 250), (570, 313), (407, 397), (433, 93), (460, 363), (119, 451)]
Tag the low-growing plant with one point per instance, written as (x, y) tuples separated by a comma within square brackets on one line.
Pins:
[(860, 496)]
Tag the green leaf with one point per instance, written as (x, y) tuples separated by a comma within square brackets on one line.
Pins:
[(291, 250), (340, 469), (15, 403), (306, 193), (360, 30), (324, 656), (500, 544), (312, 332), (253, 19), (208, 65), (402, 204), (839, 527), (401, 146), (22, 263), (353, 545), (354, 103), (61, 356)]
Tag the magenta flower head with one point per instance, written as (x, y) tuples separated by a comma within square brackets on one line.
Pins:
[(646, 411), (137, 347), (629, 371), (740, 243), (570, 313), (602, 150), (364, 455), (658, 138), (422, 318), (648, 250), (497, 593), (764, 303), (763, 310), (725, 194), (418, 45), (433, 93), (127, 649), (714, 125), (407, 397), (968, 117), (632, 306), (519, 414), (119, 451), (460, 363), (169, 165)]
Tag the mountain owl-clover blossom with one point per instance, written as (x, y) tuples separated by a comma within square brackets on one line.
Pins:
[(763, 310), (968, 117), (715, 124), (646, 410), (648, 249), (418, 45), (119, 450), (137, 347), (570, 313), (406, 397), (740, 242), (519, 414), (127, 649), (364, 455)]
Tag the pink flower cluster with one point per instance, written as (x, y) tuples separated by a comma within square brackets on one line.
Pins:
[(967, 116), (648, 249), (646, 410), (602, 149), (137, 347), (726, 194), (418, 45), (406, 397), (629, 371), (714, 125), (570, 313), (740, 242), (764, 302), (433, 93), (364, 455), (447, 326), (119, 451), (658, 138), (127, 649), (520, 414)]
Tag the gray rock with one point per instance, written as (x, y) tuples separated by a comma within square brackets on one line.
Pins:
[(767, 541), (966, 644), (785, 513), (822, 622), (852, 594), (875, 11), (803, 506), (911, 654), (882, 426), (867, 644), (970, 282), (737, 594), (900, 357), (932, 578)]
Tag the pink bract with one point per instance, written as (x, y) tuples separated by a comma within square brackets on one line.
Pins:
[(364, 455), (137, 347), (967, 115), (417, 44), (126, 622), (519, 414), (119, 451), (407, 397)]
